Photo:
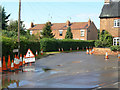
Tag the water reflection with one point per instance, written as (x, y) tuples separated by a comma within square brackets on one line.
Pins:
[(8, 78)]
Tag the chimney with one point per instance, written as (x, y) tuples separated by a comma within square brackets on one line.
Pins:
[(32, 25), (68, 23), (107, 1), (89, 22)]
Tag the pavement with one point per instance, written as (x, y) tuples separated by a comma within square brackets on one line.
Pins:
[(67, 70)]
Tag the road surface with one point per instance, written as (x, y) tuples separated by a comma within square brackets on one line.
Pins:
[(67, 70)]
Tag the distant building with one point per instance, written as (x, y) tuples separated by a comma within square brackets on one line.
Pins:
[(80, 30), (110, 20)]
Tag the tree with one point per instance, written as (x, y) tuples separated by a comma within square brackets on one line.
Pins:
[(13, 26), (4, 18), (105, 40), (47, 32), (69, 34)]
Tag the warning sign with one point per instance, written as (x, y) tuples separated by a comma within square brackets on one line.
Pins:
[(29, 57)]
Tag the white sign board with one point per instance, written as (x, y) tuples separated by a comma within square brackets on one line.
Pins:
[(15, 50)]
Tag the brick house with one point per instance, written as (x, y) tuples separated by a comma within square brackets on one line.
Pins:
[(110, 20), (80, 30)]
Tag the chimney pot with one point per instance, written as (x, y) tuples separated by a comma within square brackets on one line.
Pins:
[(89, 22)]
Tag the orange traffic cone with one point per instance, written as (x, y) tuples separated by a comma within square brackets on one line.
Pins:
[(106, 56), (4, 68), (93, 50), (36, 53), (41, 51), (16, 64), (119, 56), (62, 50), (20, 60), (24, 60), (87, 52), (90, 52), (59, 49), (12, 66), (77, 48), (0, 65), (9, 63)]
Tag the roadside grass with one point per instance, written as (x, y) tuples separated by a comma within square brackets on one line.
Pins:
[(55, 52)]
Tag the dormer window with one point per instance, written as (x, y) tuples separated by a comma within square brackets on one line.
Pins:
[(117, 23)]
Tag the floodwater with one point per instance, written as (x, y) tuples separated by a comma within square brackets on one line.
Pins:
[(66, 70)]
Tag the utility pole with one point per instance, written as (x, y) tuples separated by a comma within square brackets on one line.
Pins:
[(19, 19)]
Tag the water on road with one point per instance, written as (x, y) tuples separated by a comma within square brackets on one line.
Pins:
[(66, 70)]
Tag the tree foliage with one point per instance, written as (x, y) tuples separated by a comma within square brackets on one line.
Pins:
[(69, 34), (4, 18), (47, 32), (13, 26), (105, 40)]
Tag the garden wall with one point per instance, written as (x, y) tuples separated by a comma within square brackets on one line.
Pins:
[(102, 51)]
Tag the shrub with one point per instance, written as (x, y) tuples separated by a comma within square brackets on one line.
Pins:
[(106, 40), (115, 48), (9, 44), (53, 44)]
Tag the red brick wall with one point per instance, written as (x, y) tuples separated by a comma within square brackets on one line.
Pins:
[(76, 34), (108, 25), (92, 32), (102, 51)]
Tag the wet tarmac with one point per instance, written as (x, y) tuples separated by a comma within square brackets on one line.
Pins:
[(66, 70)]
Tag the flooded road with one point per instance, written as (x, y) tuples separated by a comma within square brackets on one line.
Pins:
[(66, 70)]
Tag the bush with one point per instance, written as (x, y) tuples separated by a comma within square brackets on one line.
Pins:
[(115, 48), (9, 44), (106, 40), (53, 44)]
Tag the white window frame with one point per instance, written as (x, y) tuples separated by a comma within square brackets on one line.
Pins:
[(116, 41), (60, 31), (82, 34), (116, 22), (31, 32), (82, 39)]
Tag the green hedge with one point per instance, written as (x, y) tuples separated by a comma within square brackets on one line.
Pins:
[(115, 48), (9, 44), (53, 44)]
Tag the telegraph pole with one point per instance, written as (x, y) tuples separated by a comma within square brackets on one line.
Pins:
[(19, 19)]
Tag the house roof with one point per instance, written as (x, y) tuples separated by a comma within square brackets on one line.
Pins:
[(111, 10), (63, 26)]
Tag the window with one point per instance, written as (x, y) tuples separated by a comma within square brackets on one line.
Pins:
[(117, 23), (116, 41), (31, 32), (82, 39), (60, 32), (82, 33)]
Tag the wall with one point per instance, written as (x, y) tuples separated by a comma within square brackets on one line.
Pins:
[(76, 34), (108, 25), (102, 51), (92, 32)]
